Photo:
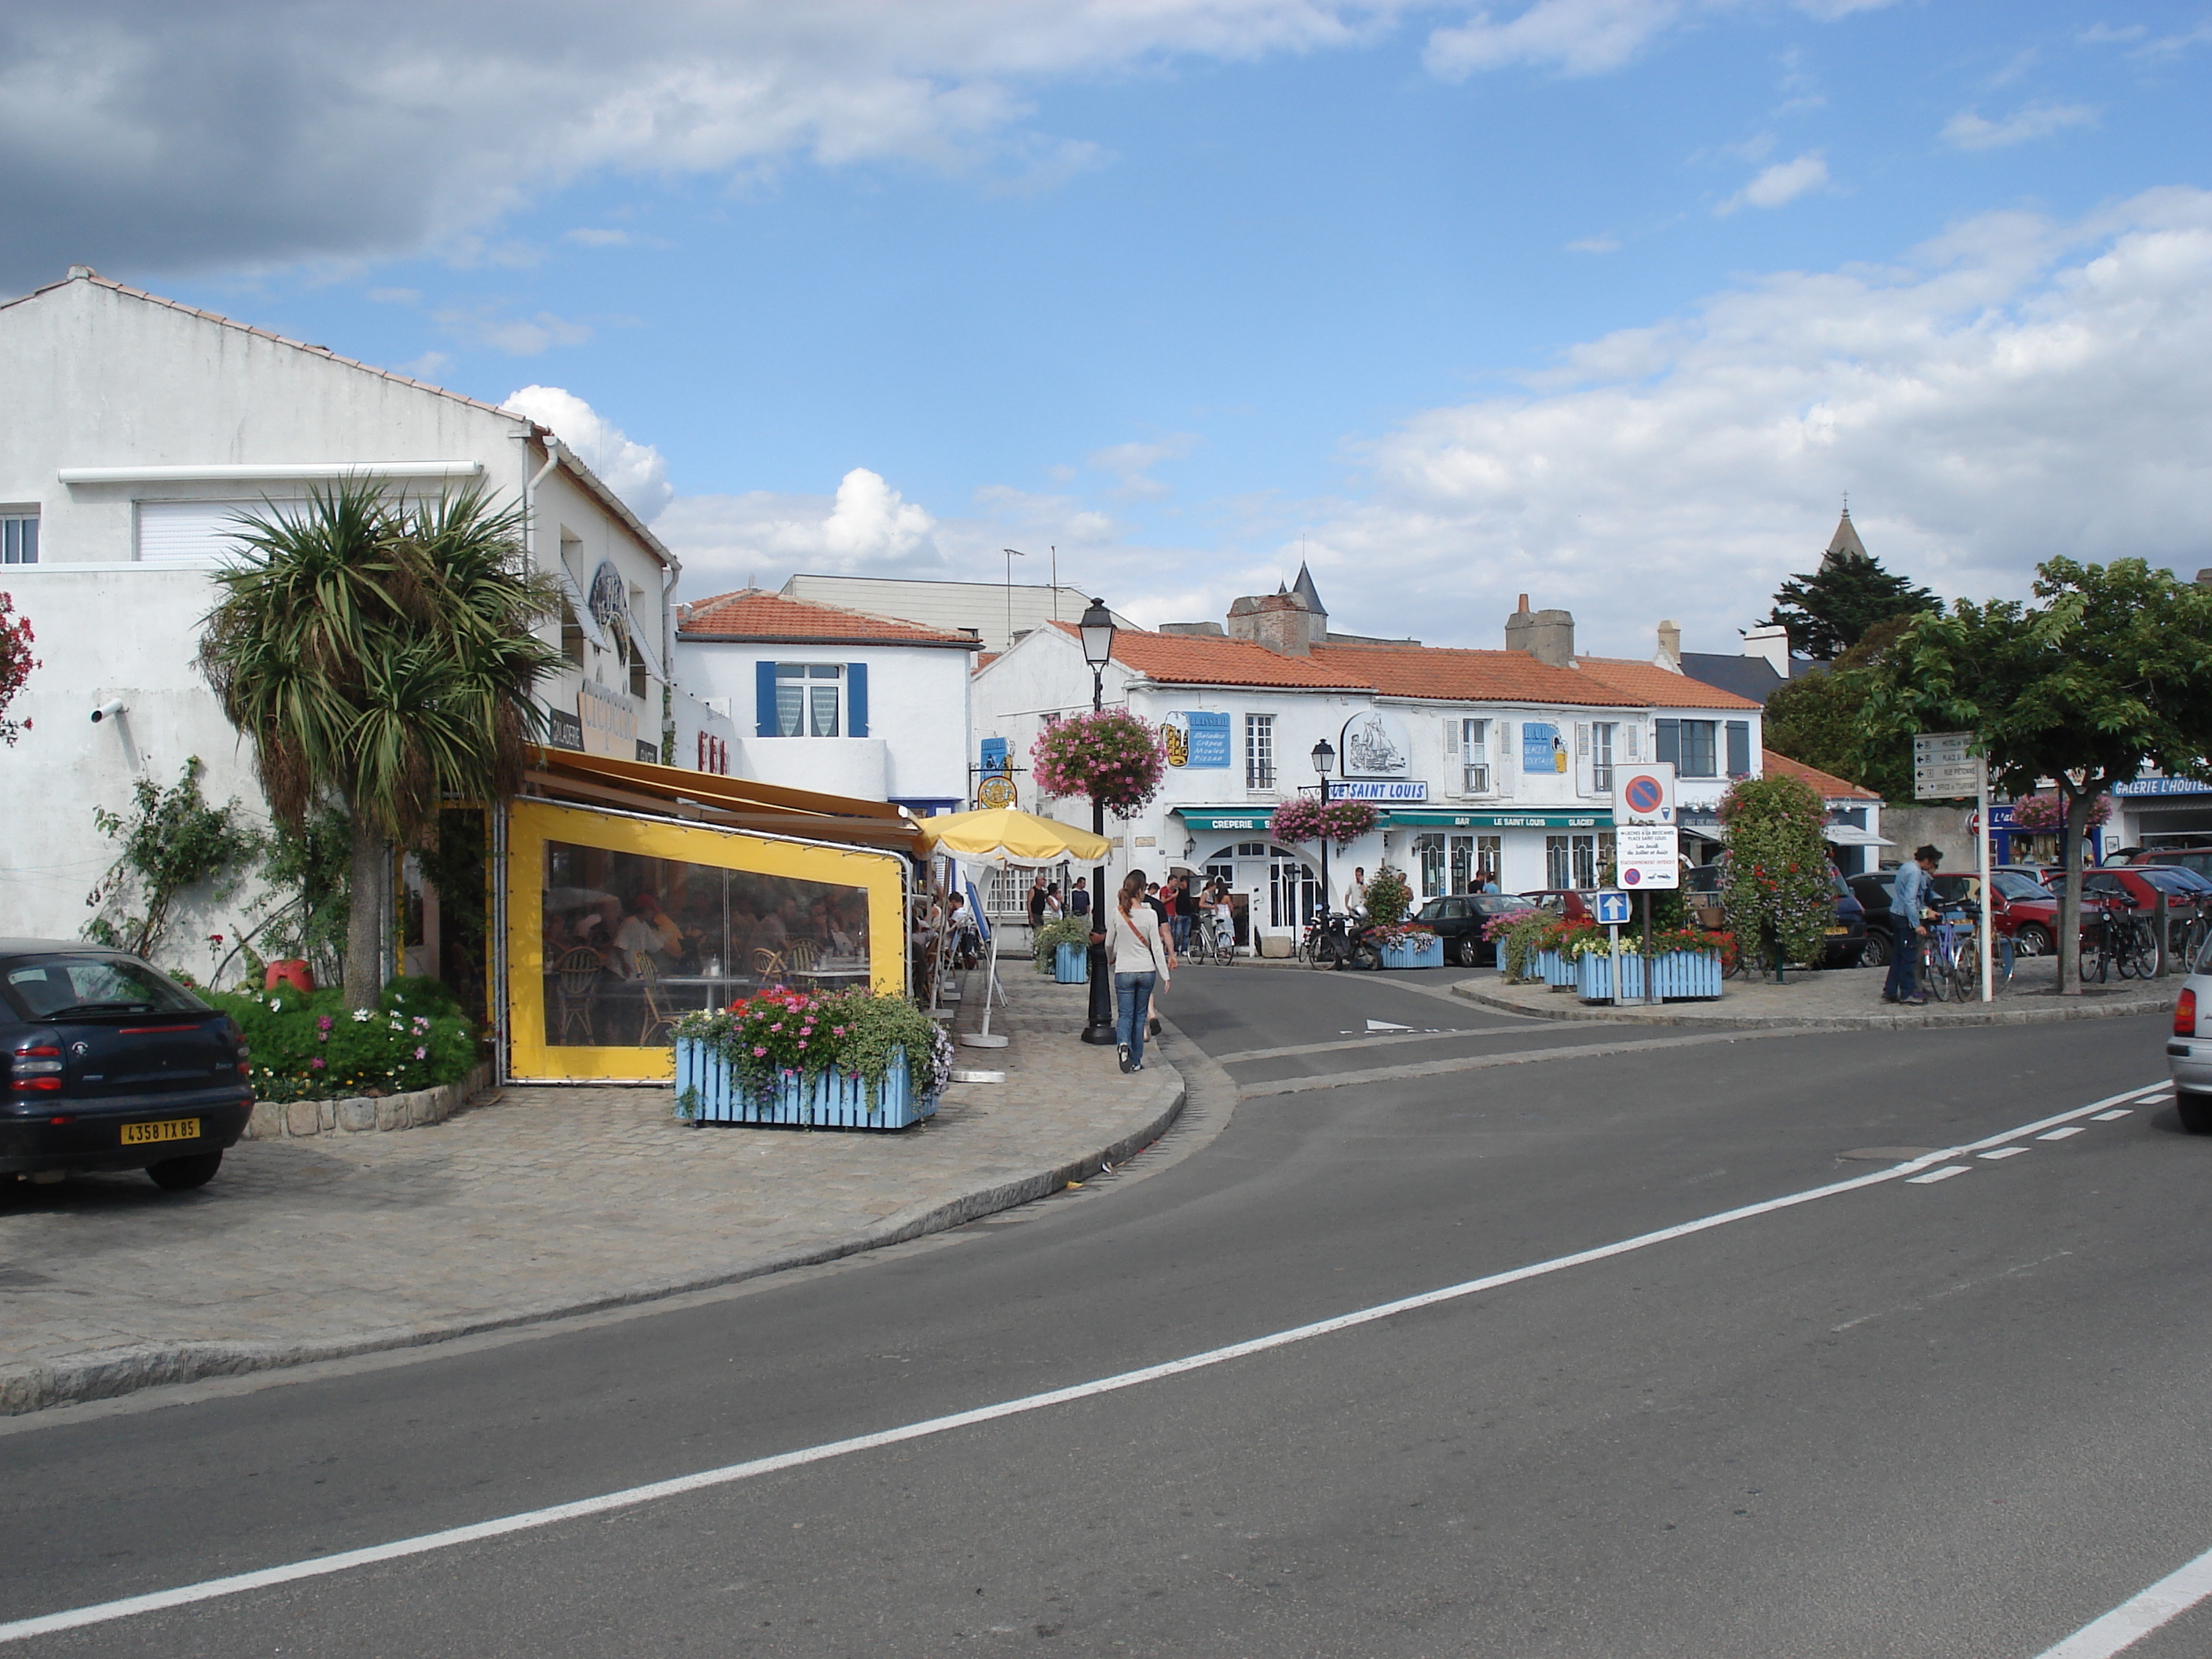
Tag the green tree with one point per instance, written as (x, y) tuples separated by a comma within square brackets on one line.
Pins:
[(381, 652), (2111, 672), (1777, 886), (1828, 610), (1815, 718)]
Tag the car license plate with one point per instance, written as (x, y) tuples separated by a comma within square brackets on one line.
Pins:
[(1833, 932), (175, 1128)]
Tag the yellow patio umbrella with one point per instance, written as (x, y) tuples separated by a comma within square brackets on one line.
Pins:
[(1000, 835)]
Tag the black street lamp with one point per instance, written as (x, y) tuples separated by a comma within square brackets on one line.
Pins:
[(1324, 758), (1097, 628)]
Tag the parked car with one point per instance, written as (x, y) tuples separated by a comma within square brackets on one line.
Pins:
[(2143, 883), (1850, 939), (112, 1065), (2022, 910), (2189, 1049), (1459, 920), (2196, 858), (1563, 901)]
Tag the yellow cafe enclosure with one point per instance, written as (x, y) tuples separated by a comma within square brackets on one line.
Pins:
[(634, 894)]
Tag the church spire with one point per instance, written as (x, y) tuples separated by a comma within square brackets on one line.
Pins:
[(1303, 587), (1845, 542)]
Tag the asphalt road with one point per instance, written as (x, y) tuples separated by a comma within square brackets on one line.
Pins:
[(1960, 1417)]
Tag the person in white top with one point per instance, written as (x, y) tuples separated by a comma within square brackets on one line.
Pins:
[(1140, 959)]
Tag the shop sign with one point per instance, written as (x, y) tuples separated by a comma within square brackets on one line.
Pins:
[(2163, 786), (610, 722), (994, 752), (563, 730), (1197, 738), (1402, 789), (609, 597), (1542, 749), (1374, 746)]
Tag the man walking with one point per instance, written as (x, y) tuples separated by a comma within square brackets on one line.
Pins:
[(1908, 901), (1182, 912)]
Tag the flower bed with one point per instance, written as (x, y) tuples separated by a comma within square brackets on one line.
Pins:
[(311, 1047), (848, 1059)]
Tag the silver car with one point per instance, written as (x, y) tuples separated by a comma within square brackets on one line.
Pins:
[(2189, 1050)]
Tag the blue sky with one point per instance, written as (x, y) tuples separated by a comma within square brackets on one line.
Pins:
[(1603, 300)]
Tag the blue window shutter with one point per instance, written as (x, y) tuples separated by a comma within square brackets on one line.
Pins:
[(856, 699), (1669, 743), (1738, 749), (764, 724)]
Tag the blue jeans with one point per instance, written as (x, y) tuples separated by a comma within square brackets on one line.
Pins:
[(1904, 958), (1133, 996), (1179, 931)]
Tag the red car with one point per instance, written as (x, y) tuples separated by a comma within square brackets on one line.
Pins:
[(1562, 901), (2185, 890)]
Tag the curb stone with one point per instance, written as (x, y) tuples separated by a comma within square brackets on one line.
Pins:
[(364, 1114), (101, 1375), (1604, 1014)]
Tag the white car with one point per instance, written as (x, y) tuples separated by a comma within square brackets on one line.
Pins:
[(2189, 1050)]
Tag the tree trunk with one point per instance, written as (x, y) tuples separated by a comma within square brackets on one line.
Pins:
[(364, 976), (2074, 824)]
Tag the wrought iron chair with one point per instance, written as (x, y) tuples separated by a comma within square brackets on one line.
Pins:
[(576, 979)]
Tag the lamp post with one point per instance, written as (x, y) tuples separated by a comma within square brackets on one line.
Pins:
[(1324, 757), (1097, 628)]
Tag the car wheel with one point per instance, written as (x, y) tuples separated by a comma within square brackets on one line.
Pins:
[(2195, 1112), (1876, 954), (1465, 952), (182, 1175), (2033, 939)]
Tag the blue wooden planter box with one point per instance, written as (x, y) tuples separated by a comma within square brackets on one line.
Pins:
[(833, 1101), (1071, 964), (1678, 976), (1431, 955), (1559, 970)]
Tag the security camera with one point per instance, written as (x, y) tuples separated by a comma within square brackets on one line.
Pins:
[(107, 711)]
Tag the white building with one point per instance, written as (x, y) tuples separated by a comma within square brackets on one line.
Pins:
[(996, 613), (834, 700), (1478, 761), (135, 430)]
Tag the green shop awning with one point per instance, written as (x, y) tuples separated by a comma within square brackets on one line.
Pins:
[(1225, 817), (1436, 818)]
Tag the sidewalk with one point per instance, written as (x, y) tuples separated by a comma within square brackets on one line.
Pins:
[(1844, 999), (548, 1201)]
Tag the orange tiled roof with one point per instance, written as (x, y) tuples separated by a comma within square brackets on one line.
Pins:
[(1655, 687), (1456, 676), (754, 613), (1203, 660), (1831, 787)]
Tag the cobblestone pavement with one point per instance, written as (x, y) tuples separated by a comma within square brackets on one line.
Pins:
[(1842, 998), (548, 1200)]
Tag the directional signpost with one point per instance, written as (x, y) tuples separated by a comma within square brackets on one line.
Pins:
[(1647, 847), (1944, 767)]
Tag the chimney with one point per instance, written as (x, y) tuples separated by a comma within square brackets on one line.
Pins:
[(1282, 623), (1670, 645), (1771, 642), (1546, 636), (2204, 578)]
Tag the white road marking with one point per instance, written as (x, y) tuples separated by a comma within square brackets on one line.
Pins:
[(2061, 1134), (2006, 1152), (323, 1566), (1943, 1174), (2107, 1118), (1385, 1025), (2139, 1615)]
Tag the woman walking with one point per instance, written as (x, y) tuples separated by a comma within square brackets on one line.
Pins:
[(1140, 959)]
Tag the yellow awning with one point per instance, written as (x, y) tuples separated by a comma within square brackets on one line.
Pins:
[(1006, 835)]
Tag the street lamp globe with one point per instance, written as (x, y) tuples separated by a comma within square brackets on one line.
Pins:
[(1324, 758), (1097, 630)]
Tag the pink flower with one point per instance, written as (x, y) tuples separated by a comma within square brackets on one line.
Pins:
[(316, 1064), (758, 1052), (421, 1053), (836, 1031)]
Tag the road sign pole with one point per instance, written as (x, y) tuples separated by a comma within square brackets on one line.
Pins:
[(1650, 979), (1981, 834)]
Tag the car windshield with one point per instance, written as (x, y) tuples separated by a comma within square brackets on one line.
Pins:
[(1497, 904), (2013, 886), (2173, 878), (48, 987)]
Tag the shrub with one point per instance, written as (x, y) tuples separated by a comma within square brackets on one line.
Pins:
[(1068, 930), (1778, 887), (313, 1047), (1389, 897)]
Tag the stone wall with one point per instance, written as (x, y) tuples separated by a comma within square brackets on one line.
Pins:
[(366, 1114), (1943, 828)]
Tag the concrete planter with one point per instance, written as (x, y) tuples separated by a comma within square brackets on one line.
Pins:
[(706, 1087), (1431, 955)]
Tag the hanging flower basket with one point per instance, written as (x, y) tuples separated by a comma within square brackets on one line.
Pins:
[(1112, 757), (1306, 819), (2039, 814)]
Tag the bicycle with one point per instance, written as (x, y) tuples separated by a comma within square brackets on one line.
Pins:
[(1951, 957), (2125, 941), (1211, 941)]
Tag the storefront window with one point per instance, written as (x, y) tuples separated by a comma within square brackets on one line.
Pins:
[(632, 941)]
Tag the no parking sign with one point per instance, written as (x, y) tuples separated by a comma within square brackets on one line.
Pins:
[(1647, 846)]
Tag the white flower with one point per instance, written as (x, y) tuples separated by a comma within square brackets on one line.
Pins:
[(361, 1016), (275, 1006)]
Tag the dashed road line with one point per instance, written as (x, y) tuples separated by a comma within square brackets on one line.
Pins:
[(2006, 1152), (2107, 1118), (1934, 1176), (1377, 1041), (2061, 1134)]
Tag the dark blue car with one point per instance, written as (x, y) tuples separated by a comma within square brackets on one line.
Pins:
[(112, 1065)]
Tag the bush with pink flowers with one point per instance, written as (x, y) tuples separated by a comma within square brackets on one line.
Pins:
[(1111, 755)]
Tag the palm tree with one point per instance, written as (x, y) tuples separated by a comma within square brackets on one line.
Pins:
[(381, 653)]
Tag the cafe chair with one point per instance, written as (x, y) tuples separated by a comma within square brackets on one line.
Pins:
[(802, 957), (576, 980), (768, 965), (658, 1017)]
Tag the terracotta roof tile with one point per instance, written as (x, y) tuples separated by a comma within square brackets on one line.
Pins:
[(1655, 687), (1458, 676), (1831, 787), (754, 613), (1200, 660)]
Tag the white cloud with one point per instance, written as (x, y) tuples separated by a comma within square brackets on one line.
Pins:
[(587, 236), (2016, 389), (1595, 245), (1779, 185), (1582, 37), (634, 471), (518, 336), (867, 529), (1132, 463), (1968, 130)]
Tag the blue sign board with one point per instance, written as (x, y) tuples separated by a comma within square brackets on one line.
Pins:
[(1612, 908), (1209, 737), (994, 758), (1541, 748)]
